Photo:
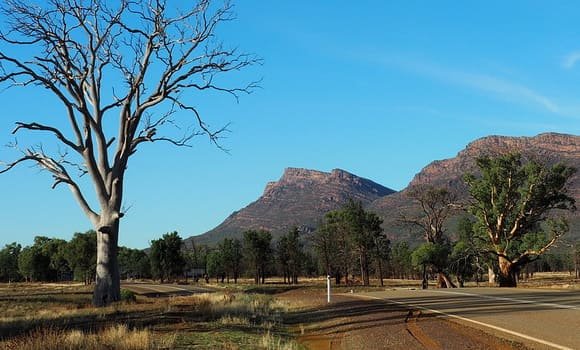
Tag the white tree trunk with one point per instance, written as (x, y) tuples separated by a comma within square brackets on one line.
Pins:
[(107, 284), (490, 276)]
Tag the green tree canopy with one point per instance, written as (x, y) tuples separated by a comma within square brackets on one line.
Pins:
[(134, 263), (9, 262), (81, 255), (350, 236), (232, 253), (291, 255), (258, 252), (400, 260), (516, 203), (332, 246), (166, 257), (215, 264)]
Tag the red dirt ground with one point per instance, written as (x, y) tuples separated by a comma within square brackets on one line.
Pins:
[(354, 323)]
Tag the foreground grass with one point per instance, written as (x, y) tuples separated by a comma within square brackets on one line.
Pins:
[(113, 337), (19, 301), (61, 317), (243, 316)]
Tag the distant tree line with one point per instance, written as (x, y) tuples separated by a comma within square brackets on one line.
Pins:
[(506, 230), (53, 260), (257, 256)]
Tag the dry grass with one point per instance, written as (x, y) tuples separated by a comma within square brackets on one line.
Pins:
[(562, 280), (229, 320), (61, 317), (274, 342), (42, 300), (113, 337)]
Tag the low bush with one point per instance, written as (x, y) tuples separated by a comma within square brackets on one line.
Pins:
[(128, 296)]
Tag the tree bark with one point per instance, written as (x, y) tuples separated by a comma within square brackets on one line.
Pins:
[(107, 282), (443, 281), (491, 276), (507, 273), (380, 273), (364, 267)]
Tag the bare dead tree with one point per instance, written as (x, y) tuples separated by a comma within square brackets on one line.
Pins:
[(437, 205), (134, 64)]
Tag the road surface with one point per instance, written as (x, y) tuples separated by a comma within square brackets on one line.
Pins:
[(161, 290), (539, 318)]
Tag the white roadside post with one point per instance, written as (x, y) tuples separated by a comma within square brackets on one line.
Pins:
[(328, 289)]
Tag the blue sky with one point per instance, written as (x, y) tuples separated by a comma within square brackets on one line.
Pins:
[(378, 88)]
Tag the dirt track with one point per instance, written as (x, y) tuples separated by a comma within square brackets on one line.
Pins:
[(352, 323)]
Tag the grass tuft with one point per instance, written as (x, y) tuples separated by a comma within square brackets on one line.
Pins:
[(229, 320)]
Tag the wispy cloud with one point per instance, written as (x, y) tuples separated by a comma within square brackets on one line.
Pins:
[(498, 87), (571, 59)]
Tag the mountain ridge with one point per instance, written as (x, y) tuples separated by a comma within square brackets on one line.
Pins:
[(301, 196), (549, 148)]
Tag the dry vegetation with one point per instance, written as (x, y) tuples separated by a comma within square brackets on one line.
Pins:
[(560, 280), (51, 316), (112, 337), (61, 317)]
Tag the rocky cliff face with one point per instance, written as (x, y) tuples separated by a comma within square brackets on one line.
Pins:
[(300, 198), (548, 148)]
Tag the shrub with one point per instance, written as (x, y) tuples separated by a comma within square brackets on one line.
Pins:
[(128, 296)]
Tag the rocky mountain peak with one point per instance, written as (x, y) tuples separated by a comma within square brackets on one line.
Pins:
[(300, 174), (300, 198)]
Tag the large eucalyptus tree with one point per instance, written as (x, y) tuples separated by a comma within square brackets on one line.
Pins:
[(519, 206)]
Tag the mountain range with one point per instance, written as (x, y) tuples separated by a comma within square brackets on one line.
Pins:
[(301, 197), (548, 148)]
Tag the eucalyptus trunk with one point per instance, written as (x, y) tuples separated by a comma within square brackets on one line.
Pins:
[(443, 280), (380, 270), (107, 283), (364, 268), (507, 274)]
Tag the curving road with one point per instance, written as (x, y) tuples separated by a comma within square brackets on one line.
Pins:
[(539, 318)]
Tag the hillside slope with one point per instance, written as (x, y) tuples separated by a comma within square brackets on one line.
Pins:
[(300, 198), (548, 148)]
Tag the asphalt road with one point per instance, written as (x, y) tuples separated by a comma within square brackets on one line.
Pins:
[(539, 318), (163, 290)]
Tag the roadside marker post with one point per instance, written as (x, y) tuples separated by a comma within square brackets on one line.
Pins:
[(328, 289)]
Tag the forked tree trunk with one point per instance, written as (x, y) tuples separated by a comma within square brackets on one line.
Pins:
[(443, 281), (507, 273), (107, 283)]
